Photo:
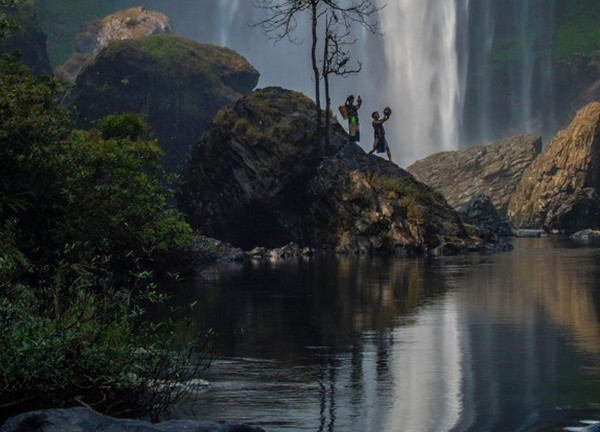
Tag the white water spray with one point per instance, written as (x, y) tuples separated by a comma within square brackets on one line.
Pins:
[(423, 75)]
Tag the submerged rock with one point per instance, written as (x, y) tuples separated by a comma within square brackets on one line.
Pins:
[(258, 178), (84, 419), (493, 170), (560, 188), (586, 234), (134, 23), (177, 84)]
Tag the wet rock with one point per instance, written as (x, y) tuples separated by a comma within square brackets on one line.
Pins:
[(480, 211), (214, 250), (493, 170), (586, 234), (83, 419), (529, 232), (559, 190)]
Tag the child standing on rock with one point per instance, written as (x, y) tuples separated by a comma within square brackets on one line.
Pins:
[(352, 112), (380, 143)]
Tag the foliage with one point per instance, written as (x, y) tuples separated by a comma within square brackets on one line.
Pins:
[(578, 30), (78, 340), (123, 126), (85, 229), (7, 8)]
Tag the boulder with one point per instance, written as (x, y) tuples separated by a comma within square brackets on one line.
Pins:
[(83, 419), (559, 190), (258, 178), (493, 170), (134, 23), (481, 212), (177, 84)]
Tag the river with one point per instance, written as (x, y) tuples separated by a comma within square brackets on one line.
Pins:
[(502, 342)]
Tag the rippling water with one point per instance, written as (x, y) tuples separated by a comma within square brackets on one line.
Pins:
[(506, 342)]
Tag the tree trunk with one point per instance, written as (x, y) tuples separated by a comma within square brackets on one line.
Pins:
[(315, 66), (326, 71)]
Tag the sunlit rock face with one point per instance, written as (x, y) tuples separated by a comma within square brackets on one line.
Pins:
[(134, 23), (177, 84), (560, 188), (493, 170), (257, 177)]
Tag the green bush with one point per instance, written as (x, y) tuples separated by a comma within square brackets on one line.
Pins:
[(85, 342), (85, 225), (123, 126)]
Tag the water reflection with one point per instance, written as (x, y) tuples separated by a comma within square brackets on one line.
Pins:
[(501, 343)]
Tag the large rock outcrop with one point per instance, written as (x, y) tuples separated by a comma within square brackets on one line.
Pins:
[(28, 39), (257, 178), (177, 84), (560, 188), (134, 23), (83, 419), (493, 170)]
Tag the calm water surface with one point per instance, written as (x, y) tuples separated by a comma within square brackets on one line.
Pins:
[(505, 342)]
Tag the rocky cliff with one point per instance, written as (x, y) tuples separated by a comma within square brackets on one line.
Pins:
[(257, 178), (178, 85), (492, 170), (560, 188), (134, 23)]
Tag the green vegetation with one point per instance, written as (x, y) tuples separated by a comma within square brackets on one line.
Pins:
[(578, 30), (85, 230), (175, 83)]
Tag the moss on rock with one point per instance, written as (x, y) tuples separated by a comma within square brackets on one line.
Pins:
[(177, 84)]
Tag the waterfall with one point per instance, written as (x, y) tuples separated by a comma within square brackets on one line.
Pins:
[(423, 74), (509, 86)]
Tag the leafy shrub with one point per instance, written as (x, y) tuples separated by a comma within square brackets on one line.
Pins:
[(85, 342), (85, 224), (123, 126)]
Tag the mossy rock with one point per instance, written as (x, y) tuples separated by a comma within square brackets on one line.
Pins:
[(177, 84)]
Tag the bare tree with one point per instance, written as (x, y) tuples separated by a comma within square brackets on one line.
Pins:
[(281, 21)]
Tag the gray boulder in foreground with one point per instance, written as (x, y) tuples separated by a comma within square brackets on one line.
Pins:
[(86, 420)]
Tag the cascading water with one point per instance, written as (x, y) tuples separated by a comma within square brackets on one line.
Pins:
[(509, 89), (423, 74)]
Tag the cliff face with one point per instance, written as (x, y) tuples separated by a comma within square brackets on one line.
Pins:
[(560, 188), (257, 178), (493, 170), (134, 23), (177, 84)]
